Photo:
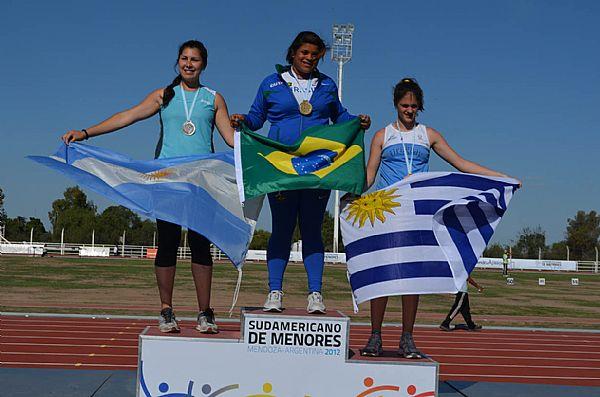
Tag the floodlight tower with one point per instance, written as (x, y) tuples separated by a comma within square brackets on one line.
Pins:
[(341, 52)]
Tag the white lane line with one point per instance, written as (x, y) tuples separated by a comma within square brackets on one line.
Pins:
[(518, 376), (520, 366), (72, 354), (69, 338), (428, 349), (519, 357), (71, 331), (68, 345), (68, 364), (538, 344)]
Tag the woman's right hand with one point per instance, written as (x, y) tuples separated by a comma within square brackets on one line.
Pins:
[(236, 120), (73, 136)]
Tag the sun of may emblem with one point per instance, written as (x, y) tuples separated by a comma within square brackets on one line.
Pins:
[(157, 175), (371, 206)]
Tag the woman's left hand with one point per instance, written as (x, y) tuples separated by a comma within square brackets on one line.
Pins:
[(365, 121)]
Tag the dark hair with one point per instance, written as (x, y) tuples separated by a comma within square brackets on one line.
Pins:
[(405, 86), (305, 37), (169, 92)]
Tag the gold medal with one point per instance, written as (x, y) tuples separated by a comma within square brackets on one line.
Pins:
[(305, 107)]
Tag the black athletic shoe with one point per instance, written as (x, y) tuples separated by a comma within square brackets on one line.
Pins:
[(407, 347), (374, 346), (445, 327), (474, 327)]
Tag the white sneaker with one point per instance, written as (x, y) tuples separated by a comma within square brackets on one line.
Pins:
[(274, 302), (315, 303)]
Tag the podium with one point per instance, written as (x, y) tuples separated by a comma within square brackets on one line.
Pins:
[(284, 354)]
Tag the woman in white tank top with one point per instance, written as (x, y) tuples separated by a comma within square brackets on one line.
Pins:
[(397, 151)]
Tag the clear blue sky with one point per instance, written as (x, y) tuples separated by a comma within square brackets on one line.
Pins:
[(513, 85)]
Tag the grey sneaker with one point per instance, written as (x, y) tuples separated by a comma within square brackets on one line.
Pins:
[(167, 321), (315, 303), (374, 346), (274, 302), (408, 348), (206, 322)]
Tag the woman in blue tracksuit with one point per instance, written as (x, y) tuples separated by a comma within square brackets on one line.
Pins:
[(293, 99)]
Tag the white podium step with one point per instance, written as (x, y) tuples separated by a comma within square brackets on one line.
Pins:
[(285, 354)]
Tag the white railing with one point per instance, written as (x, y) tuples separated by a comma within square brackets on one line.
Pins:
[(147, 251)]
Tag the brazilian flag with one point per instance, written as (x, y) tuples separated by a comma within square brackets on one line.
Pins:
[(324, 157)]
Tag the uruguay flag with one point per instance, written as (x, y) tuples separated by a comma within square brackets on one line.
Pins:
[(422, 235), (197, 192)]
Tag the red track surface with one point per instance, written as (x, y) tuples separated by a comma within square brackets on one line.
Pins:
[(566, 358)]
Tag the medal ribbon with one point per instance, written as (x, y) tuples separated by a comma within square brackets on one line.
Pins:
[(412, 150), (305, 91), (188, 114)]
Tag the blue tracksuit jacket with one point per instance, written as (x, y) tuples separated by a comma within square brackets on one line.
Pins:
[(275, 102)]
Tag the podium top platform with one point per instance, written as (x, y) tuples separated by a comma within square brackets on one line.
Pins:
[(192, 333), (294, 312), (388, 357)]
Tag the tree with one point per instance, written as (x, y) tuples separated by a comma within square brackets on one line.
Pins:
[(529, 242), (557, 251), (75, 214), (142, 233), (582, 235), (39, 230), (493, 251), (113, 221), (16, 229), (260, 240), (327, 233), (3, 216)]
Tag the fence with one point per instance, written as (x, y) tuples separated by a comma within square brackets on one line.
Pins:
[(149, 252)]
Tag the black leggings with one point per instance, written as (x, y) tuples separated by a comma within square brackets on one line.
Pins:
[(169, 236)]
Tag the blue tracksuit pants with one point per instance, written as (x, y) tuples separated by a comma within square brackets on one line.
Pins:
[(308, 208)]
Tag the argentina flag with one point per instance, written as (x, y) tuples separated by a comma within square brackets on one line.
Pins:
[(197, 192), (422, 235)]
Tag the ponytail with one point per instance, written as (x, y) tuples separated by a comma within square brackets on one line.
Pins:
[(169, 92)]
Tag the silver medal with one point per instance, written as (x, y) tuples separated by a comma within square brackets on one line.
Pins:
[(189, 128)]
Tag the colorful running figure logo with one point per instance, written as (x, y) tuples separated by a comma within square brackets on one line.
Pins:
[(368, 382), (410, 390), (164, 388), (267, 388)]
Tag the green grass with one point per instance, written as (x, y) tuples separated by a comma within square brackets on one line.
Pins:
[(106, 282)]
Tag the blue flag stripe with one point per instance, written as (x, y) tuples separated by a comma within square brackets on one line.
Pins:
[(481, 221), (390, 240), (90, 181), (490, 199), (429, 207), (212, 220), (397, 271), (79, 152), (462, 180), (459, 238)]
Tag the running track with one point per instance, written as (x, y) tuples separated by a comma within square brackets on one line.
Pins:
[(518, 356)]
